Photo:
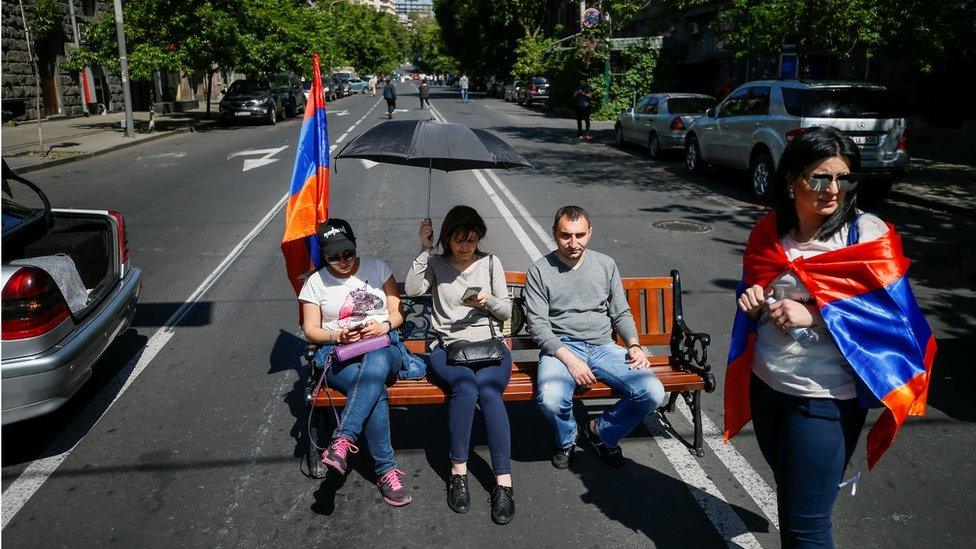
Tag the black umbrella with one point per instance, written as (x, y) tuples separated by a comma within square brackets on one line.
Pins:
[(432, 145)]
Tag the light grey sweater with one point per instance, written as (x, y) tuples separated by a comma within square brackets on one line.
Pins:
[(587, 303), (453, 320)]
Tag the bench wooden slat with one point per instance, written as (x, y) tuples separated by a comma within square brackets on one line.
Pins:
[(634, 301), (653, 304)]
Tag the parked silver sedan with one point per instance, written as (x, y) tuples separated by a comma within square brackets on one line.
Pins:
[(68, 291), (660, 121)]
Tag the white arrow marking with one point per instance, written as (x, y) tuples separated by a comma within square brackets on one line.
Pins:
[(368, 163), (339, 113), (251, 163), (402, 110)]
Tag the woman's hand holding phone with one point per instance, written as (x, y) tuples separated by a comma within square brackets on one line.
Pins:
[(479, 299)]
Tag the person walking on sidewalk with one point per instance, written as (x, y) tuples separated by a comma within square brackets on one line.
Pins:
[(389, 93), (575, 302), (582, 99), (470, 301), (424, 94), (463, 85)]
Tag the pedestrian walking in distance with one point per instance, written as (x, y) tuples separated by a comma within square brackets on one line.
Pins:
[(470, 303), (350, 299), (463, 84), (575, 302), (582, 100), (389, 93), (372, 86), (424, 94), (826, 327)]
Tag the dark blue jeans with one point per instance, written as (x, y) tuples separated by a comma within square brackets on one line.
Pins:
[(367, 411), (807, 442), (483, 386)]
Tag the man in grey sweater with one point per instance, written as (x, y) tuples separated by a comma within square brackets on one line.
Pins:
[(575, 302)]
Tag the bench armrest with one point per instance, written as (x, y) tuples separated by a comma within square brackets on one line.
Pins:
[(689, 348)]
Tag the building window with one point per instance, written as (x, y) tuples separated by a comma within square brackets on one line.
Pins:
[(87, 7)]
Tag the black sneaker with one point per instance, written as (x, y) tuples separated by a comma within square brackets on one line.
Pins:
[(563, 457), (502, 504), (458, 498), (610, 455)]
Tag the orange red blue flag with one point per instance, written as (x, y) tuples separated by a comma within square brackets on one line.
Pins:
[(308, 199), (869, 308)]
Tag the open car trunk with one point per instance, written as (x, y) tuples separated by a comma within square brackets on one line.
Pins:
[(88, 238)]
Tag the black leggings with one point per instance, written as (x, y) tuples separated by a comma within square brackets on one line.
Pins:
[(582, 113), (390, 105), (483, 386), (424, 100)]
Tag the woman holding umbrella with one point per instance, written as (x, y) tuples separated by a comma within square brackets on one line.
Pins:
[(470, 298)]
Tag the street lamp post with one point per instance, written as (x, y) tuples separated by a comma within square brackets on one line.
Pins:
[(130, 130)]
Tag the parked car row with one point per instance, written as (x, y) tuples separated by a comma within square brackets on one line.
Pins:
[(749, 129), (531, 91)]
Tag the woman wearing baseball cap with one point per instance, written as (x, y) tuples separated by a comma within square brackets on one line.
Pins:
[(350, 299)]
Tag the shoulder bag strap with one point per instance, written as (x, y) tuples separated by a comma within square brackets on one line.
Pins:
[(491, 285)]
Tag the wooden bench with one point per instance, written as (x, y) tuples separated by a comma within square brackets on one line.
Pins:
[(655, 303)]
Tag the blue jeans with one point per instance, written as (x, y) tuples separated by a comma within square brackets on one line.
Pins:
[(807, 442), (367, 410), (641, 389), (469, 387), (464, 95)]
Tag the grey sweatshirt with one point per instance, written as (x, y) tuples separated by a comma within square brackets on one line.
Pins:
[(587, 303), (453, 320)]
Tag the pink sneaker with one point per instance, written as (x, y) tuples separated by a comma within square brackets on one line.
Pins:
[(335, 455), (392, 488)]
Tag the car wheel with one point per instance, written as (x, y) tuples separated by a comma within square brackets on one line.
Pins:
[(761, 174), (653, 146), (693, 160), (618, 135), (272, 116)]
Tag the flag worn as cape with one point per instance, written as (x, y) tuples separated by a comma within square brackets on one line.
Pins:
[(862, 292), (308, 201)]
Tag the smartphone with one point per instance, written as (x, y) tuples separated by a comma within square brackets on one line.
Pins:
[(471, 292), (356, 326)]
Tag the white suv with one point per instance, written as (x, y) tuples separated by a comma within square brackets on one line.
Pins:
[(750, 128)]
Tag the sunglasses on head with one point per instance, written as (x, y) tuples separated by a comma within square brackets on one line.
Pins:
[(820, 182), (341, 256)]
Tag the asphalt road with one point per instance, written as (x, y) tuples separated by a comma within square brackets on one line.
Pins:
[(202, 447)]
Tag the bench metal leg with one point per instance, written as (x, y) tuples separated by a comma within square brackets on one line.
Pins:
[(318, 427), (696, 414)]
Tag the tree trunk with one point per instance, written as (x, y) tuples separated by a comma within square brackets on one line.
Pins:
[(37, 78)]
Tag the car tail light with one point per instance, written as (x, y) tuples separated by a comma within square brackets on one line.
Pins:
[(32, 304), (793, 133), (123, 242), (533, 89), (677, 124), (903, 141)]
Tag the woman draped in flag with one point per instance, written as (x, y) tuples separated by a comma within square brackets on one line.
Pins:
[(826, 326)]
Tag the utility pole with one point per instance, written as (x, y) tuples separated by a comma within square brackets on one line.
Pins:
[(130, 130)]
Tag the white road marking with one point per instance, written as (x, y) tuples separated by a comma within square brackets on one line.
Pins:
[(342, 137), (718, 510), (755, 485), (266, 158), (368, 163), (37, 473), (163, 155), (706, 493), (343, 112)]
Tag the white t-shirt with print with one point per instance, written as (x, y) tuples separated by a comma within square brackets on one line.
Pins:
[(818, 371), (347, 301)]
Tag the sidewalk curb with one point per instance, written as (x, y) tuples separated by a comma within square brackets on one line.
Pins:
[(933, 204), (87, 155)]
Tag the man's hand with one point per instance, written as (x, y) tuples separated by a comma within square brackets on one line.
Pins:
[(637, 358), (581, 373)]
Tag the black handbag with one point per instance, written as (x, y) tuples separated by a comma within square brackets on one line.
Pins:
[(479, 353)]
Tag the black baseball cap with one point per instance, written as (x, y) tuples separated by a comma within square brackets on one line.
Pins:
[(335, 235)]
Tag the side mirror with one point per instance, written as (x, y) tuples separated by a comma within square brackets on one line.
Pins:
[(710, 112)]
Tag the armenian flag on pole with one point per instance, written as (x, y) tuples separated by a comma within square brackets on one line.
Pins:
[(868, 306), (308, 202)]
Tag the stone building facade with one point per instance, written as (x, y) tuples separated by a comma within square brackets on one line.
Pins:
[(60, 90)]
